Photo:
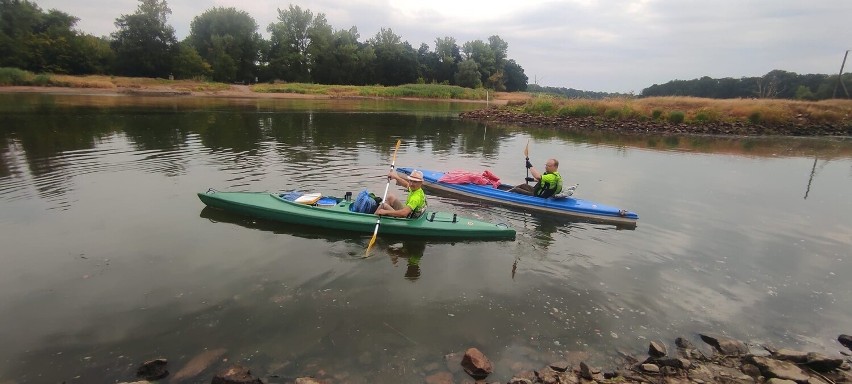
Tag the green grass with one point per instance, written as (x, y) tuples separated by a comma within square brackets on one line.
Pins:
[(14, 76)]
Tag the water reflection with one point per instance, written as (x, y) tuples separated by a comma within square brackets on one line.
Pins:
[(412, 252), (726, 242)]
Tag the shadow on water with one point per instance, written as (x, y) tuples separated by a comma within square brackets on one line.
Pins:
[(219, 216), (543, 221), (408, 247)]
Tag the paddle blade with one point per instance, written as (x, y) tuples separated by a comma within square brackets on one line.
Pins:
[(369, 246), (527, 150), (393, 161)]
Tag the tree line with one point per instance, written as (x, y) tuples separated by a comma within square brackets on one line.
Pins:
[(224, 45), (776, 84)]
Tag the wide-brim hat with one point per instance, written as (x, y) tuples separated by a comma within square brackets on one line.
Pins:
[(415, 176)]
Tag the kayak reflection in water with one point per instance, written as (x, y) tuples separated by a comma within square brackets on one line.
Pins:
[(412, 251)]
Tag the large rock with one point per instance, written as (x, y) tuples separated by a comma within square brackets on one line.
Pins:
[(822, 363), (725, 345), (657, 349), (780, 369), (846, 340), (476, 364)]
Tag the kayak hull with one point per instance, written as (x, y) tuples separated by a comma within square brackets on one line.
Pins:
[(271, 206), (565, 206)]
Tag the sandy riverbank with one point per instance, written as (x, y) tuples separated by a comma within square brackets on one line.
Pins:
[(234, 91)]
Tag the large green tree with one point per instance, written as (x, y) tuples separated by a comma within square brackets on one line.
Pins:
[(227, 39), (346, 61), (288, 56), (18, 22), (515, 78), (428, 64), (449, 57), (144, 43), (396, 61), (468, 75), (490, 57), (47, 42), (189, 64)]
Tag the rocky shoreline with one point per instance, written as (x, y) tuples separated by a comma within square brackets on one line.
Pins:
[(730, 361), (800, 127)]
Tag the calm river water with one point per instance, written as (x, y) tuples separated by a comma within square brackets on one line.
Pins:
[(109, 259)]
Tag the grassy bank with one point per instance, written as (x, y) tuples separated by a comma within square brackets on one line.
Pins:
[(427, 91), (692, 109), (17, 77)]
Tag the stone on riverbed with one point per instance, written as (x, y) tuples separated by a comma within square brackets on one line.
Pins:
[(476, 364), (153, 370), (236, 374)]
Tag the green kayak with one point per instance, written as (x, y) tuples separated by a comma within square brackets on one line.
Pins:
[(334, 213)]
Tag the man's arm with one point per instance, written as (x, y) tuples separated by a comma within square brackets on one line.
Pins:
[(402, 182), (535, 174)]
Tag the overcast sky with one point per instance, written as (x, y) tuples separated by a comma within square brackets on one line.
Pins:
[(593, 45)]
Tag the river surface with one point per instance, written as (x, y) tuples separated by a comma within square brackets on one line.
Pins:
[(109, 259)]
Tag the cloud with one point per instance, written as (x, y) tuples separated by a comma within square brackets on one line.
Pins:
[(597, 45)]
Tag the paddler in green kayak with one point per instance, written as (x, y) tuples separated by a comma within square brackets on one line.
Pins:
[(414, 206)]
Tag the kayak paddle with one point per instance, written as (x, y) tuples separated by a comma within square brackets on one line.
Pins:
[(384, 196), (527, 156)]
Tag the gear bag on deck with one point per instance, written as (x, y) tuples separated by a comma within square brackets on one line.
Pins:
[(365, 202)]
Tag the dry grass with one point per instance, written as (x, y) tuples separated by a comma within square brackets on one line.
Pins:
[(109, 82), (699, 109)]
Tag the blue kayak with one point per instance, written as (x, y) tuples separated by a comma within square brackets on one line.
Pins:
[(563, 205)]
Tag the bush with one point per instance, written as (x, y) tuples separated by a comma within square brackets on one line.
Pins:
[(656, 114), (581, 110), (14, 76), (612, 113), (676, 117), (541, 107), (706, 115), (754, 118), (42, 80)]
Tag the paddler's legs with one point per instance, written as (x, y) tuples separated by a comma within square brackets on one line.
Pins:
[(393, 202)]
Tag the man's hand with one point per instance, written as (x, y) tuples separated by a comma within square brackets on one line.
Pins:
[(529, 165)]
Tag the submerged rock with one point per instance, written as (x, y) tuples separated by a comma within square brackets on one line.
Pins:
[(153, 370), (236, 374)]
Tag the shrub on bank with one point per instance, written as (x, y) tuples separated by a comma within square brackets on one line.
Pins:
[(676, 117), (15, 76)]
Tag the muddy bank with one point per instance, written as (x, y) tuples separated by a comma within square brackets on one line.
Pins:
[(802, 126)]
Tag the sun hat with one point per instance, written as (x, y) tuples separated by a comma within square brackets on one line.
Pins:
[(415, 176)]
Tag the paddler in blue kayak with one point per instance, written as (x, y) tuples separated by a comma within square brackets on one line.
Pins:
[(414, 206), (547, 184)]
